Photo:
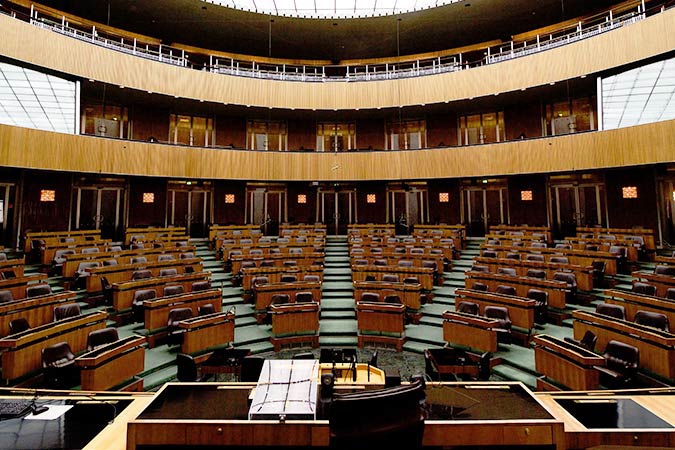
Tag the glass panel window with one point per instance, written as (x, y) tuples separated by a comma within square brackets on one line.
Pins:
[(482, 128), (335, 137), (191, 130), (405, 135), (265, 135), (105, 120)]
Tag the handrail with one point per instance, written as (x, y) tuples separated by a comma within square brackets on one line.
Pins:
[(585, 28)]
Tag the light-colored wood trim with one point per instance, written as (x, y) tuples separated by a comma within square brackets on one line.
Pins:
[(650, 37), (632, 146)]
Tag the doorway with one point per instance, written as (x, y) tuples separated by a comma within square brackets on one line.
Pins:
[(483, 207), (190, 208), (573, 205), (337, 209), (99, 208)]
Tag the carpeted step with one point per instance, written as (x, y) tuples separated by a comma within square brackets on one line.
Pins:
[(338, 304), (510, 373), (424, 333), (337, 327), (338, 314), (436, 309), (338, 341), (158, 378), (248, 335)]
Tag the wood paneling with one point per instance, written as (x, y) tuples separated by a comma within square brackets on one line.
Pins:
[(650, 37), (644, 144)]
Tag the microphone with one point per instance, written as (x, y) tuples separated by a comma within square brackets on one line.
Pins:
[(354, 370)]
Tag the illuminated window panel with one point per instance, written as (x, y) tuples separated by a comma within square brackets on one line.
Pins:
[(526, 196), (47, 196), (148, 197), (229, 198), (371, 198), (443, 197), (629, 192), (674, 196), (302, 199)]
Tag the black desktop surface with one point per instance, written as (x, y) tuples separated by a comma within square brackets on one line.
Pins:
[(73, 430), (482, 401), (452, 401), (615, 413)]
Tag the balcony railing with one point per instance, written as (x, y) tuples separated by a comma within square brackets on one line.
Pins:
[(586, 28)]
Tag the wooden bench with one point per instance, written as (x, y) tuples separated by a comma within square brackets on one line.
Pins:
[(295, 323), (53, 237), (557, 290), (208, 331), (521, 310), (513, 230), (72, 262), (424, 275), (263, 294), (583, 274), (47, 256), (633, 303), (474, 332), (274, 274), (381, 323), (662, 282), (409, 293), (577, 257), (123, 292), (603, 245), (124, 272), (156, 310), (565, 364), (113, 365), (22, 355), (17, 286), (279, 260), (36, 310), (12, 268), (418, 260), (657, 348), (153, 234)]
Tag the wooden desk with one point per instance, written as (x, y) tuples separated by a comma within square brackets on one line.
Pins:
[(295, 323), (123, 292), (275, 273), (646, 233), (657, 348), (229, 230), (577, 257), (203, 332), (58, 235), (304, 259), (124, 272), (662, 282), (525, 229), (112, 364), (381, 323), (583, 274), (392, 259), (48, 254), (471, 331), (156, 310), (151, 234), (557, 290), (632, 251), (263, 294), (633, 303), (521, 309), (14, 266), (424, 275), (566, 364), (17, 286), (36, 310), (22, 355), (410, 293), (122, 257)]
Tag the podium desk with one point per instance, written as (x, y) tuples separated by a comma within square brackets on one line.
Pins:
[(217, 414), (566, 364), (112, 364), (207, 331), (471, 331), (295, 323)]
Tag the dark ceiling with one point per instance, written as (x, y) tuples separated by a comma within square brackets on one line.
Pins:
[(201, 24)]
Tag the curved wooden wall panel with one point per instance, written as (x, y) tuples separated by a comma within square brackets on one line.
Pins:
[(650, 37), (640, 145)]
